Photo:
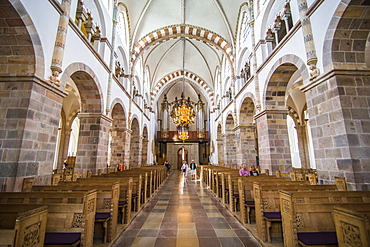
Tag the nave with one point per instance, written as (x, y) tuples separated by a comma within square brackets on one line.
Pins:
[(184, 213)]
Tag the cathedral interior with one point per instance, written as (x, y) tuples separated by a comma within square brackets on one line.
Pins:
[(275, 84), (280, 84)]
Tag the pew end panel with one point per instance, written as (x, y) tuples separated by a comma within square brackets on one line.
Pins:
[(352, 227), (341, 183), (307, 217), (73, 218), (28, 183), (22, 225)]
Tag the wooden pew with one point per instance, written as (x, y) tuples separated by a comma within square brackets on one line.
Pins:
[(22, 225), (123, 178), (70, 218), (28, 183), (267, 206), (106, 207), (246, 193), (307, 216), (125, 195), (245, 186), (352, 227)]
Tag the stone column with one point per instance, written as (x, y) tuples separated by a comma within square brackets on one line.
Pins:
[(29, 128), (127, 144), (230, 148), (111, 60), (274, 151), (60, 40), (220, 150), (63, 148), (92, 151), (238, 150), (247, 145), (303, 146), (141, 139), (144, 153), (254, 65), (308, 39), (339, 119), (118, 146)]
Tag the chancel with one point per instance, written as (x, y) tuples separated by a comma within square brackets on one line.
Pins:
[(102, 102)]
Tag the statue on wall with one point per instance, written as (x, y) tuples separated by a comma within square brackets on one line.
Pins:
[(54, 78), (245, 73)]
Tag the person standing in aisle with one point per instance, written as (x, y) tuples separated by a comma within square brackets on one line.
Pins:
[(168, 167), (193, 170), (185, 168)]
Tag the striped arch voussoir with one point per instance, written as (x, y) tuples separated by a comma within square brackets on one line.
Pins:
[(189, 75), (176, 31)]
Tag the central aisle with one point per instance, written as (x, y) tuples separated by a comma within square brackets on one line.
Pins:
[(184, 213)]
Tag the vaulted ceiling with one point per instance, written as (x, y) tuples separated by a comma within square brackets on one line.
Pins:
[(198, 51)]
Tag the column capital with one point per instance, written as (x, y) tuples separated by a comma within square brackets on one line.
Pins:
[(94, 115), (266, 112)]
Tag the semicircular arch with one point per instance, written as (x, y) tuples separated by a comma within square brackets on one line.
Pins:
[(182, 31)]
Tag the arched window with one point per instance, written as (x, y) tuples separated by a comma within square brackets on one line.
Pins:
[(73, 141), (293, 141), (244, 29)]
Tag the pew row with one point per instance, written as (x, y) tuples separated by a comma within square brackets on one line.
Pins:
[(267, 206), (307, 217), (70, 217), (22, 225), (106, 206)]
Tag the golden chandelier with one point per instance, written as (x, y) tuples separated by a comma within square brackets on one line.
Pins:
[(183, 116)]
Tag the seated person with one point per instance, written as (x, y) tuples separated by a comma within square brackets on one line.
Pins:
[(253, 171), (244, 170)]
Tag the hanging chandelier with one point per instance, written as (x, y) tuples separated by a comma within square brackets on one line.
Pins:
[(183, 113), (183, 116), (183, 132)]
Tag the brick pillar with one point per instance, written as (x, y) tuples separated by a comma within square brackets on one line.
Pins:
[(92, 151), (118, 146), (140, 154), (30, 113), (144, 154), (340, 123), (220, 150), (238, 147), (247, 145), (230, 148), (274, 152), (127, 148)]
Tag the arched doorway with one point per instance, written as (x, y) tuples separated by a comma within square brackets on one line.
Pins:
[(182, 154)]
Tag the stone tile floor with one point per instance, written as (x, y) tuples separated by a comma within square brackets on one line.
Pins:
[(184, 213)]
